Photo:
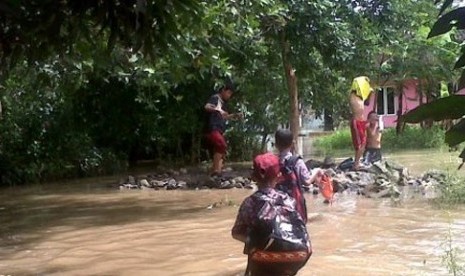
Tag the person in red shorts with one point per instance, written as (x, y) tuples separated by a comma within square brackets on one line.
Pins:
[(218, 115), (359, 95)]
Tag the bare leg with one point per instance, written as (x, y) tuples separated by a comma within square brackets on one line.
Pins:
[(358, 156), (217, 165)]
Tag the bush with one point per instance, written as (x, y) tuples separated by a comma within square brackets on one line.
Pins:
[(339, 140), (452, 192), (411, 138), (414, 138), (242, 146)]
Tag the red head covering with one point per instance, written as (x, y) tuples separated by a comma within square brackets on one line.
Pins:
[(265, 167)]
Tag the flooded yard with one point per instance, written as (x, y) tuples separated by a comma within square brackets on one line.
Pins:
[(86, 228)]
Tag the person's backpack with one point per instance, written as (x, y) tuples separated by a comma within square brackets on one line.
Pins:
[(278, 227), (290, 184)]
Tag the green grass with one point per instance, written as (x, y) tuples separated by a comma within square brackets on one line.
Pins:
[(411, 138), (453, 256)]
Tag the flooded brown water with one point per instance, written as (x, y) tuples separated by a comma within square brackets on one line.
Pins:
[(86, 228)]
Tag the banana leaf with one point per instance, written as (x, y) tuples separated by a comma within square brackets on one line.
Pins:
[(456, 134), (454, 18), (452, 107), (462, 155)]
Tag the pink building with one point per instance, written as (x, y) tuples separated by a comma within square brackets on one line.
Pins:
[(388, 101)]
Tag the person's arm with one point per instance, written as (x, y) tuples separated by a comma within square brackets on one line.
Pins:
[(315, 176), (239, 230), (308, 178), (303, 173), (234, 116), (239, 237), (211, 105)]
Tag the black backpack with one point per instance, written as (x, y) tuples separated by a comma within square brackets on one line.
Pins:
[(279, 227), (290, 184)]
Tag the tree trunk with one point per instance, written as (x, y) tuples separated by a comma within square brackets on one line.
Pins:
[(195, 148), (328, 119), (399, 125), (263, 142), (420, 102), (375, 100), (292, 89)]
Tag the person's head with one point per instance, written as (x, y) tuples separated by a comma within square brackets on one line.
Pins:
[(266, 170), (372, 117), (226, 91), (283, 139)]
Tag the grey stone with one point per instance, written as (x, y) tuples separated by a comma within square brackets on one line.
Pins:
[(131, 180), (378, 168), (131, 186), (158, 183), (226, 185), (395, 176), (240, 179), (182, 185), (144, 183), (366, 179), (391, 165), (238, 186), (171, 186), (331, 172)]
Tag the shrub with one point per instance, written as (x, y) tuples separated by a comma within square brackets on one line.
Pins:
[(452, 192)]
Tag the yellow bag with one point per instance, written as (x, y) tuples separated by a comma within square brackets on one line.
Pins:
[(361, 86)]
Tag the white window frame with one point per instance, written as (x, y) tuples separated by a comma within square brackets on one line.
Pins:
[(384, 94)]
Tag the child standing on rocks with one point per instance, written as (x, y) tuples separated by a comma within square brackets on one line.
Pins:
[(218, 115), (359, 94), (373, 149)]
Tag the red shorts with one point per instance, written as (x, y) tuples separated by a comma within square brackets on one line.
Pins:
[(217, 141), (359, 133)]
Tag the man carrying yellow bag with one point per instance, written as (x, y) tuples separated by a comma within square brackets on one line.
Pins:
[(359, 95)]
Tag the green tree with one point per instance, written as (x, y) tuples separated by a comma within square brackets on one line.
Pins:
[(449, 107)]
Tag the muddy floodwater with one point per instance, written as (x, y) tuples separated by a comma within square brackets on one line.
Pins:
[(86, 228)]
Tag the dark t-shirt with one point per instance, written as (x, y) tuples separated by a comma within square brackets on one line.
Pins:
[(215, 120)]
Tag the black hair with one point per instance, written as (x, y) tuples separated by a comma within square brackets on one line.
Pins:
[(283, 138), (372, 112), (228, 85)]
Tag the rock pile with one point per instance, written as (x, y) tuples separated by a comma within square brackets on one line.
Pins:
[(175, 180), (382, 179)]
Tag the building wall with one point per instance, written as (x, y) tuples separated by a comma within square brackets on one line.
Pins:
[(410, 100)]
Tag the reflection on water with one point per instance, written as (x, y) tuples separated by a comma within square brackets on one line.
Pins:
[(97, 231)]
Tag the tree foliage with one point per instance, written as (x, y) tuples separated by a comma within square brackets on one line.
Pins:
[(87, 86), (451, 107)]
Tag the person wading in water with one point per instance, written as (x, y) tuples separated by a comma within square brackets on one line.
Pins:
[(275, 236)]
